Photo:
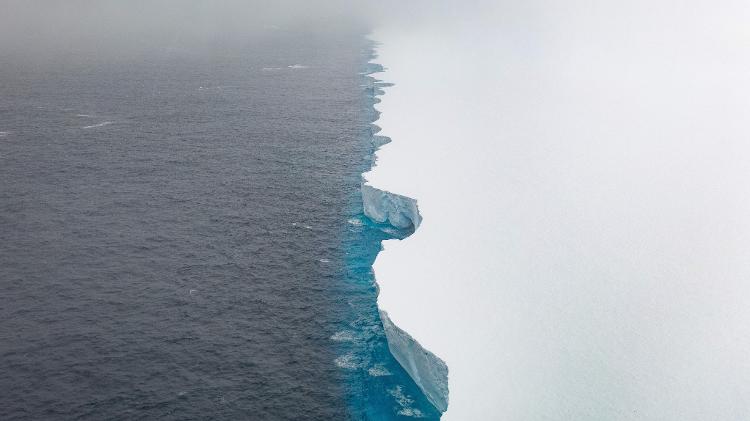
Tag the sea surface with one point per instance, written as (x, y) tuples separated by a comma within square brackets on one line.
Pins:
[(182, 237)]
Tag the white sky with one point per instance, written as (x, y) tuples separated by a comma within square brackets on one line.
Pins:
[(582, 169)]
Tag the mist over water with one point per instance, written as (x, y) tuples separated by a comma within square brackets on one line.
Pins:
[(179, 186)]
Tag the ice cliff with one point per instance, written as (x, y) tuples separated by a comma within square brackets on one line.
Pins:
[(427, 370), (384, 207)]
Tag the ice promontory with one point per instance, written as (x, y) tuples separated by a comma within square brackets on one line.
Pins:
[(385, 207)]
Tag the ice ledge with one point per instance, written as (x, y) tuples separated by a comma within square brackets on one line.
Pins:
[(385, 207), (428, 371)]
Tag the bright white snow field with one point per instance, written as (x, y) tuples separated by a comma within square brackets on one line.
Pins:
[(583, 171)]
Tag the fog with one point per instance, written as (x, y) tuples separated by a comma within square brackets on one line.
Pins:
[(582, 171), (57, 27)]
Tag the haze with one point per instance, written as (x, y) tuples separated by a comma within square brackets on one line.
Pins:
[(50, 27)]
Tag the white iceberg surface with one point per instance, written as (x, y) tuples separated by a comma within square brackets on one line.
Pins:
[(582, 172)]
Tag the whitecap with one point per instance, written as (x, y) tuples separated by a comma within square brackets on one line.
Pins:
[(102, 124), (356, 222), (4, 134), (405, 403), (324, 260), (298, 66), (348, 361), (378, 371), (411, 412), (271, 69), (343, 336), (83, 115)]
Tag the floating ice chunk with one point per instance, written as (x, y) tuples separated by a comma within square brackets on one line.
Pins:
[(385, 207)]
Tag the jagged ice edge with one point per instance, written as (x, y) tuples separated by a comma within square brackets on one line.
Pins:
[(427, 370)]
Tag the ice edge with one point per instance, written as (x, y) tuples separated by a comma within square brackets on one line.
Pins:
[(427, 370)]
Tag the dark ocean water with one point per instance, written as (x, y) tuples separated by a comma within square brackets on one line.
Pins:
[(181, 236)]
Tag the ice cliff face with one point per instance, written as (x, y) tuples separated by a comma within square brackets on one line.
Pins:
[(384, 207), (428, 371)]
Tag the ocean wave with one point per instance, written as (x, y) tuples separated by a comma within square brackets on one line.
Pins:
[(102, 124)]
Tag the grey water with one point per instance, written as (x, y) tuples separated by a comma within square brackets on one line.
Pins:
[(174, 240)]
